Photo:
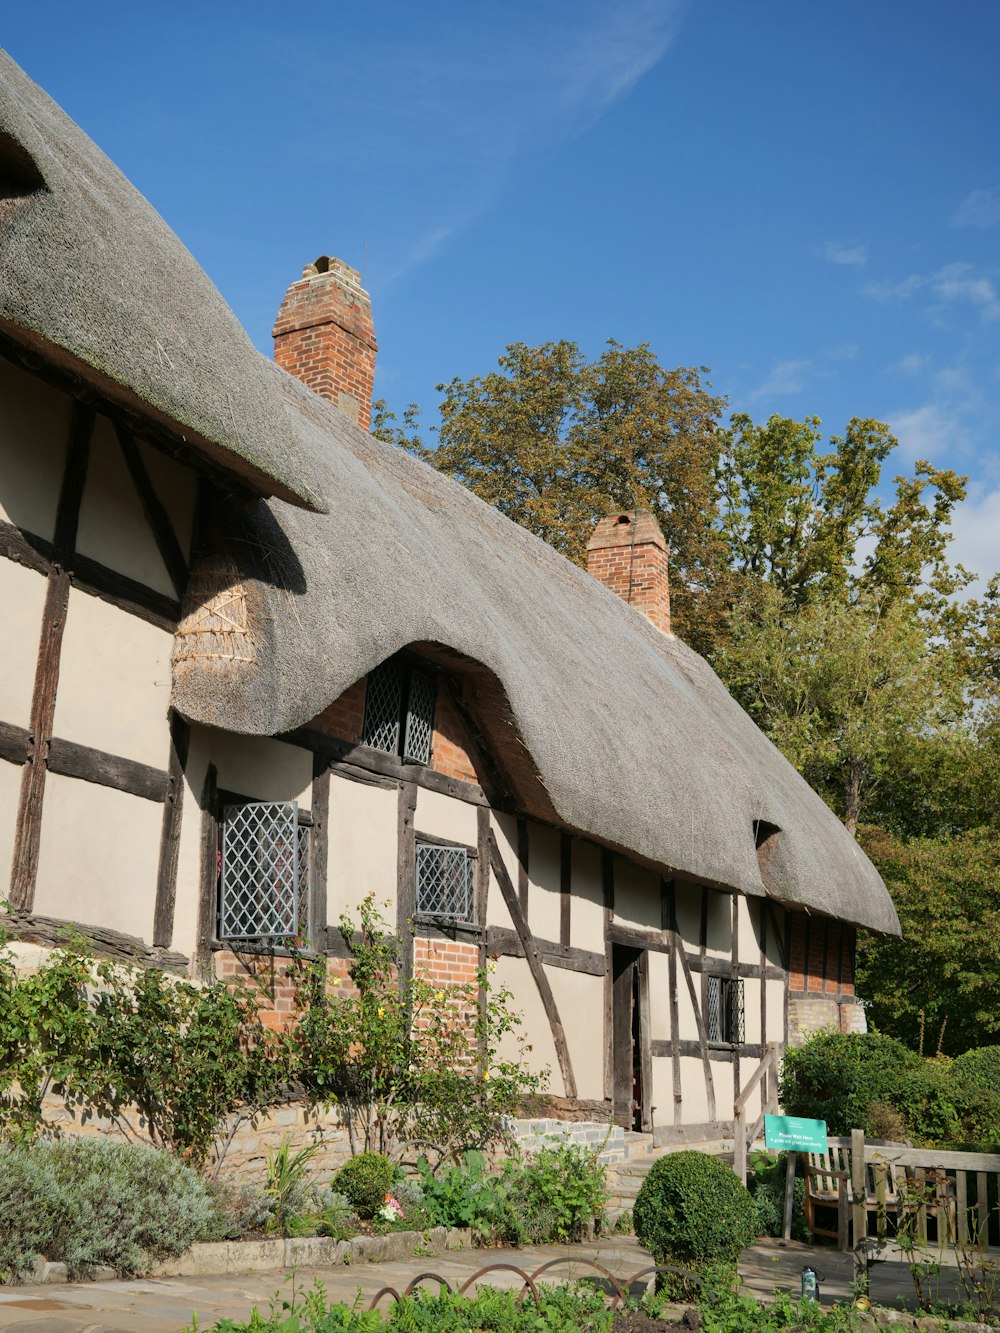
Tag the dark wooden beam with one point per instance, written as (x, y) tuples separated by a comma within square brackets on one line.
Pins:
[(15, 743), (645, 1044), (717, 1053), (638, 937), (734, 973), (115, 944), (156, 515), (170, 833), (406, 876), (364, 759), (127, 594), (208, 906), (522, 864), (668, 909), (108, 770), (28, 830), (25, 548), (319, 849), (535, 965), (608, 896), (74, 479), (565, 886), (483, 830), (506, 943)]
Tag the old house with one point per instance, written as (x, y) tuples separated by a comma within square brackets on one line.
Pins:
[(257, 664)]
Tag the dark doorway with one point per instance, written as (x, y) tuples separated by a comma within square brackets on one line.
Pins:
[(627, 1037)]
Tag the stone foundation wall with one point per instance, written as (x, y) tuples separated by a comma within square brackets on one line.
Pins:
[(808, 1013), (533, 1134)]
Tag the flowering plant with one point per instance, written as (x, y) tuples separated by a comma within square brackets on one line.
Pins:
[(391, 1210)]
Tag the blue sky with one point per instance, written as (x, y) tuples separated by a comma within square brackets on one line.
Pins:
[(804, 197)]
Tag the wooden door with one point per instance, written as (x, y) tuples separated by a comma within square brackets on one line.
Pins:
[(626, 1037)]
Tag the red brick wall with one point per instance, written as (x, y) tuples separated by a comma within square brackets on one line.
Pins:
[(345, 717), (628, 554), (324, 335), (269, 976), (450, 745), (447, 962), (821, 956)]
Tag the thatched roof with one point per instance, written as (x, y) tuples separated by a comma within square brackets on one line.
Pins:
[(92, 271), (615, 729), (600, 721)]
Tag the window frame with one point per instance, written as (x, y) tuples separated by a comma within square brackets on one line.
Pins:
[(441, 919), (729, 1010), (413, 678), (262, 943)]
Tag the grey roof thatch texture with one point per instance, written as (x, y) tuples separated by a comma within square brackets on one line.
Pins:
[(89, 266), (634, 739)]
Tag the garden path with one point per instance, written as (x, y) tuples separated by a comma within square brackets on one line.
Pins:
[(165, 1305)]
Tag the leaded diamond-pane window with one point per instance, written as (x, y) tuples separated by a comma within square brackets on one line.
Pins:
[(399, 711), (304, 925), (260, 888), (419, 718), (383, 705), (725, 1020), (444, 882)]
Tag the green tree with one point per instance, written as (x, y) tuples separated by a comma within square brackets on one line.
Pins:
[(555, 442), (945, 971)]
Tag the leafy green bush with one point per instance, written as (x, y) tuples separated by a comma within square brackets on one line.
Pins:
[(93, 1201), (692, 1209), (766, 1183), (560, 1193), (979, 1068), (238, 1211), (464, 1195), (365, 1181)]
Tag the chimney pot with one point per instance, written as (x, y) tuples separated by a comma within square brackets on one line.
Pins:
[(324, 335)]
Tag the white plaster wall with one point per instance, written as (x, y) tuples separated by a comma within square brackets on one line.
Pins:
[(113, 529), (586, 917), (752, 1010), (176, 488), (34, 432), (688, 900), (775, 1011), (725, 1088), (505, 831), (260, 768), (579, 999), (687, 1020), (544, 877), (637, 895), (659, 996), (749, 919), (694, 1106), (362, 849), (661, 1095), (443, 816), (114, 681), (98, 858), (22, 597), (515, 974), (720, 925), (10, 788)]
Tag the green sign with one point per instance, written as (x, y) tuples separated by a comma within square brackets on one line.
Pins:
[(792, 1133)]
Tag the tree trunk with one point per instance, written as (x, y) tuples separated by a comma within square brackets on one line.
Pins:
[(852, 798)]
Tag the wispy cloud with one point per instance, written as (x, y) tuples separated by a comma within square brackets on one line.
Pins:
[(836, 253), (784, 378), (975, 526), (928, 431), (465, 110), (979, 209), (950, 285), (911, 364)]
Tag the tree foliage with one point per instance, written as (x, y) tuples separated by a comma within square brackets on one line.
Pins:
[(555, 442)]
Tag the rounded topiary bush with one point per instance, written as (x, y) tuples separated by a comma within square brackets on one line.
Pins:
[(693, 1210), (365, 1180)]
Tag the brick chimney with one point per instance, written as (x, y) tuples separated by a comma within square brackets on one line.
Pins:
[(628, 554), (324, 335)]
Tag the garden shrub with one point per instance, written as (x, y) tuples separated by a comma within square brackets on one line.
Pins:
[(692, 1210), (560, 1193), (365, 1181), (84, 1202), (766, 1183), (465, 1196), (238, 1211)]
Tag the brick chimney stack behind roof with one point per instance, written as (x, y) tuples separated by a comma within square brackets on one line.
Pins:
[(324, 335), (628, 554)]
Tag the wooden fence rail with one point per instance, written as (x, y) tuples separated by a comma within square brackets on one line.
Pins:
[(915, 1189)]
